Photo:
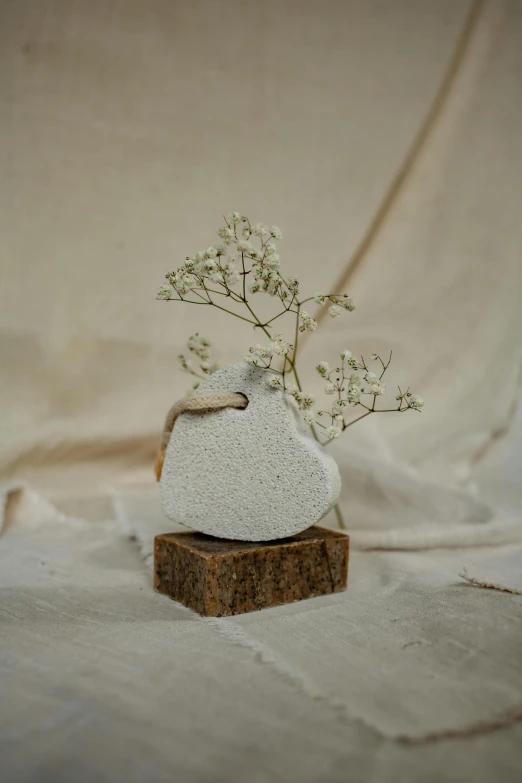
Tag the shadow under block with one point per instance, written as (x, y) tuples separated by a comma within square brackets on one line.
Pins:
[(217, 577)]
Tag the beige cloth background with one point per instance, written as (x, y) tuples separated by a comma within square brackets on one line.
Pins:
[(127, 129)]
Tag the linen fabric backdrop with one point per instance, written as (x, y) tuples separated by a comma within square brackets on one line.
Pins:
[(385, 138)]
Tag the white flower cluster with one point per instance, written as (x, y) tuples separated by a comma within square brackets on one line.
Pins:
[(200, 348), (411, 400), (304, 401), (262, 355), (266, 273), (332, 432), (348, 387), (306, 322), (247, 261), (225, 264), (338, 302), (165, 292), (211, 264)]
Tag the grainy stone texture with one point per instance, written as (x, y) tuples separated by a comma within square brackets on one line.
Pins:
[(217, 577), (252, 474)]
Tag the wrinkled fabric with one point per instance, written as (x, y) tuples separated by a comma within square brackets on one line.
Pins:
[(410, 655), (126, 130)]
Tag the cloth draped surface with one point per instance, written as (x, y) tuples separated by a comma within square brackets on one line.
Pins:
[(127, 129)]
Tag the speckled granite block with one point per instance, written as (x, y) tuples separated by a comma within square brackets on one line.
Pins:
[(217, 577)]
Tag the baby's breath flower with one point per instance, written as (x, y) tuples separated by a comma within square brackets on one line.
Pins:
[(250, 358), (235, 217), (184, 364), (298, 397), (338, 406), (272, 262), (165, 292), (309, 417), (348, 304), (276, 382), (370, 377), (415, 402), (272, 283), (231, 274), (276, 232), (259, 229), (308, 401), (334, 310), (211, 252), (333, 432), (346, 355), (354, 394), (244, 246), (378, 388), (280, 346), (293, 284), (355, 379), (264, 351), (319, 299), (226, 234), (307, 322), (304, 401), (199, 346), (323, 368), (374, 357), (189, 281), (254, 287), (209, 265), (329, 388)]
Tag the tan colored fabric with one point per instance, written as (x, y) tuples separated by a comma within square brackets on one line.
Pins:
[(410, 669), (126, 141)]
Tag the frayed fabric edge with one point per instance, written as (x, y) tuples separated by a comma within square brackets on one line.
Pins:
[(509, 719), (295, 678), (476, 582), (291, 675)]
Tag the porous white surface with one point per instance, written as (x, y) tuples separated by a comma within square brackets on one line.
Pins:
[(252, 474)]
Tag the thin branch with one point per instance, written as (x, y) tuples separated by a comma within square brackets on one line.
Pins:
[(354, 421), (384, 366)]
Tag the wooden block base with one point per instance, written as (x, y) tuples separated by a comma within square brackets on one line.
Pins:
[(217, 577)]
